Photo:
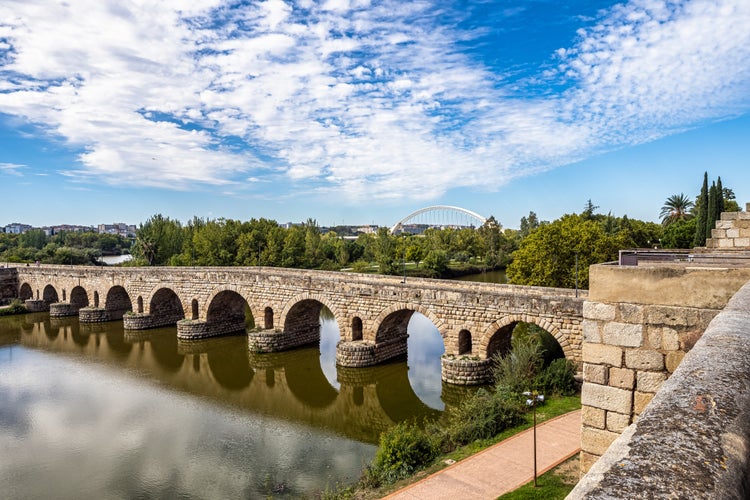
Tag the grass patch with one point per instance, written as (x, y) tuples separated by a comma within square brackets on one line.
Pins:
[(552, 485), (15, 307)]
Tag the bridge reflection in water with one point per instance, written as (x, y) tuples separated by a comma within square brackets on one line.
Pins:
[(302, 385)]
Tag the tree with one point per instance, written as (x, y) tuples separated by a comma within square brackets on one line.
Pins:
[(711, 213), (157, 240), (385, 251), (588, 210), (679, 234), (529, 224), (546, 257), (677, 207), (719, 198), (701, 207)]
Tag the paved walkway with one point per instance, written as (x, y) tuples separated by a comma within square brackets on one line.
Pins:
[(502, 467)]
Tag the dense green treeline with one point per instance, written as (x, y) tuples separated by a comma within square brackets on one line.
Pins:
[(263, 242), (66, 247)]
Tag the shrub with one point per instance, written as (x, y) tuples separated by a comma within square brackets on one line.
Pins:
[(481, 416), (557, 378), (403, 450), (15, 307), (516, 371)]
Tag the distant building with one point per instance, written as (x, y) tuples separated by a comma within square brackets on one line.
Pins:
[(369, 229), (17, 228), (125, 230)]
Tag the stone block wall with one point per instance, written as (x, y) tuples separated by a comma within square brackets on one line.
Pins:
[(62, 309), (692, 440), (732, 231), (8, 285), (197, 329), (638, 324), (92, 315), (466, 371)]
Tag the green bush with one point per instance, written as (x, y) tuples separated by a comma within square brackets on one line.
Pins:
[(15, 307), (403, 450), (481, 416), (517, 370), (557, 378)]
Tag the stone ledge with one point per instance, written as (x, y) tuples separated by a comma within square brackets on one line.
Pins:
[(692, 440)]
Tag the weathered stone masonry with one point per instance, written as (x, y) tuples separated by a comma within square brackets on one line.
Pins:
[(372, 311)]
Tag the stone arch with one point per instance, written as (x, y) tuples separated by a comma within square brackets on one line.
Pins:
[(139, 301), (194, 309), (78, 297), (411, 308), (508, 322), (356, 328), (117, 302), (25, 292), (268, 318), (165, 306), (96, 298), (464, 342), (231, 310), (308, 298), (65, 297), (49, 295)]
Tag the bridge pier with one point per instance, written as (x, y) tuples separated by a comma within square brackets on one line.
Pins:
[(142, 321), (193, 329), (466, 371), (359, 353), (35, 305), (62, 309), (265, 341), (93, 315)]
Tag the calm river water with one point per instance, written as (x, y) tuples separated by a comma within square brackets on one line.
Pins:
[(97, 412)]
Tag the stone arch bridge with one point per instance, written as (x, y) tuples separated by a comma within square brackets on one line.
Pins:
[(280, 309)]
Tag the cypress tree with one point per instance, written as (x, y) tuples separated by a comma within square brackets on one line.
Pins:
[(711, 218), (719, 198), (702, 210)]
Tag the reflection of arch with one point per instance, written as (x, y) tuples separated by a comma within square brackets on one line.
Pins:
[(116, 339), (117, 302), (268, 318), (356, 328), (497, 336), (49, 295), (164, 347), (165, 305), (231, 366), (306, 379), (25, 292), (464, 342), (78, 297), (396, 395), (229, 307)]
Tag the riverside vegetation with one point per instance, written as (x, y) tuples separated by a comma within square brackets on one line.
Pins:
[(410, 447)]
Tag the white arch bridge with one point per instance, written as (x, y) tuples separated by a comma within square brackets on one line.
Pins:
[(438, 216)]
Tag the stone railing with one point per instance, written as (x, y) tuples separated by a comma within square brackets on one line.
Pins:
[(693, 439)]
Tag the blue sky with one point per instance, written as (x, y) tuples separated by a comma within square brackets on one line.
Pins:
[(359, 111)]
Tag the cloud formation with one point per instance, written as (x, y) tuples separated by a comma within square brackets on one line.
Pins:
[(373, 99)]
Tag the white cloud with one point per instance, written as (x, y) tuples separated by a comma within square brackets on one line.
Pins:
[(12, 169), (374, 100)]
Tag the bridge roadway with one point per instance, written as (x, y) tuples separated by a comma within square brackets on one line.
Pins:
[(280, 309)]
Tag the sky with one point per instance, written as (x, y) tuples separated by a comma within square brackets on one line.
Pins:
[(364, 111)]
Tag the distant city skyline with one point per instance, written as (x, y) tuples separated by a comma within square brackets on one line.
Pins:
[(354, 112)]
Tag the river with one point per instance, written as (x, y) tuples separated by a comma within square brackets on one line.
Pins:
[(94, 411)]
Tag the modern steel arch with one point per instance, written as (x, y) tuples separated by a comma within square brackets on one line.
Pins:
[(473, 215)]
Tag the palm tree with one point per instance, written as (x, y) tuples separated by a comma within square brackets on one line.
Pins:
[(677, 207)]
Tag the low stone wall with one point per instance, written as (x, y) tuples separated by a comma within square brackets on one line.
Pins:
[(461, 371), (92, 315), (62, 309), (693, 439)]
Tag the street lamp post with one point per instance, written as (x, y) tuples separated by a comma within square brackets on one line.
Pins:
[(534, 399)]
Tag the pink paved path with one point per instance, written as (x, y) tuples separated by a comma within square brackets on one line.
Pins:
[(502, 467)]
